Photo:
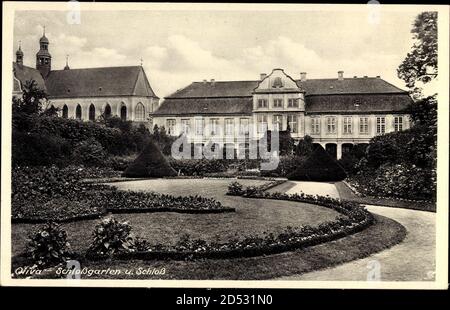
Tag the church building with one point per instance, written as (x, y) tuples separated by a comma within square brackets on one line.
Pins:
[(88, 93)]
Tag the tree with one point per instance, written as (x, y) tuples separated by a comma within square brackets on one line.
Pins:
[(420, 64), (162, 139), (304, 147)]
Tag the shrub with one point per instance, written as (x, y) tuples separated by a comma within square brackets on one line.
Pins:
[(111, 237), (150, 163), (235, 189), (48, 246), (199, 166), (398, 180), (319, 167), (89, 152), (38, 149), (304, 147), (286, 165)]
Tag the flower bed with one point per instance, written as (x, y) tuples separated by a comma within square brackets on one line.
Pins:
[(353, 218), (51, 194), (236, 189)]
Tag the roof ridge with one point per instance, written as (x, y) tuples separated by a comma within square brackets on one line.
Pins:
[(93, 68)]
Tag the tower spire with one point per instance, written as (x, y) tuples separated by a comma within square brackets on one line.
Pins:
[(43, 57), (142, 61), (19, 54), (67, 63)]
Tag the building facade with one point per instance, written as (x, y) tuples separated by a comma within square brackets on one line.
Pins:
[(88, 93), (337, 113)]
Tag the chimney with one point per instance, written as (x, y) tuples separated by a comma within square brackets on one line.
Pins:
[(262, 76), (213, 81), (205, 81), (341, 75), (302, 76), (378, 76)]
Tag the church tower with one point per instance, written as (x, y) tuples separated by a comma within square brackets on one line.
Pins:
[(19, 55), (43, 57)]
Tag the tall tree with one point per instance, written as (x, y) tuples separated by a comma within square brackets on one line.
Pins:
[(420, 64)]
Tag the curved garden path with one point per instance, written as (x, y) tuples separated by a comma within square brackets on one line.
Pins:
[(411, 260)]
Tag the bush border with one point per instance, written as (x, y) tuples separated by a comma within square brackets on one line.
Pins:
[(314, 238)]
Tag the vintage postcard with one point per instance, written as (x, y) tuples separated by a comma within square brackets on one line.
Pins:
[(225, 145)]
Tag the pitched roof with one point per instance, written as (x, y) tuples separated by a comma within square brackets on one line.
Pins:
[(99, 82), (25, 73), (321, 95), (311, 87), (189, 106), (216, 89), (357, 103)]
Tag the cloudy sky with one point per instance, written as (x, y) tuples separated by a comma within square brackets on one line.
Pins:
[(179, 47)]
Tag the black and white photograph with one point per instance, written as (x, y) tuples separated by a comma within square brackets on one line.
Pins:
[(225, 145)]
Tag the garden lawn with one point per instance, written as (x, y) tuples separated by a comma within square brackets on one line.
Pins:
[(252, 216), (383, 234)]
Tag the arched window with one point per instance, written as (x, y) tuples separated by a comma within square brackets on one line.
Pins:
[(123, 113), (107, 111), (140, 112), (78, 112), (65, 111), (92, 112)]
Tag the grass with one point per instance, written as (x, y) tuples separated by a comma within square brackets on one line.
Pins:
[(346, 193), (384, 234), (252, 216)]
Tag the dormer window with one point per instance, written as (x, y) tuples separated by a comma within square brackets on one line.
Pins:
[(277, 82)]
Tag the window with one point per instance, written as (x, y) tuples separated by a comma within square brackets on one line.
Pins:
[(315, 125), (171, 127), (331, 124), (65, 111), (107, 111), (185, 126), (292, 123), (199, 125), (78, 112), (92, 112), (140, 112), (381, 125), (398, 123), (277, 122), (262, 122), (244, 126), (229, 126), (277, 103), (293, 103), (347, 124), (262, 103), (214, 123), (123, 113), (364, 125)]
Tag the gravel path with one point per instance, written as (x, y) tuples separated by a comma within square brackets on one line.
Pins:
[(310, 188), (411, 260)]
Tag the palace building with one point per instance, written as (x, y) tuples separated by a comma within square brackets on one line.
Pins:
[(86, 94), (336, 112)]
